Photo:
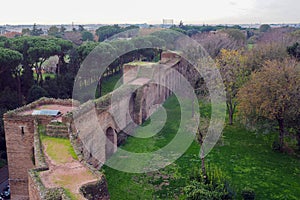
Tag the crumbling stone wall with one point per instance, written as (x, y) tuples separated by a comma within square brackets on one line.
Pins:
[(19, 129), (19, 134), (20, 153), (143, 97), (57, 130), (95, 191)]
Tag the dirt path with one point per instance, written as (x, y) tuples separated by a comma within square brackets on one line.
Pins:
[(71, 175)]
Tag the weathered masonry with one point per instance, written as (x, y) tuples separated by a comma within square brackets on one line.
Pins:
[(139, 94)]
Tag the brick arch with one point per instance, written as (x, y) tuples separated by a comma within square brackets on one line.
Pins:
[(144, 110), (110, 144), (143, 104), (132, 109)]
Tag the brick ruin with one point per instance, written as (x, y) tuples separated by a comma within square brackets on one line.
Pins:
[(23, 144), (19, 131)]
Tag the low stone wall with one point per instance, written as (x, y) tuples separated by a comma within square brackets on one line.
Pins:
[(39, 157), (43, 119), (41, 102), (37, 190), (59, 130), (95, 191)]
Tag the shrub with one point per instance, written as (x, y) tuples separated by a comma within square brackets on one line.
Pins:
[(248, 194), (215, 187), (200, 190), (35, 93), (276, 146)]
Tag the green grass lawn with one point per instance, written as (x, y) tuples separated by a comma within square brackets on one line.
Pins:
[(248, 159), (59, 149), (250, 46), (244, 158), (52, 76), (108, 84), (61, 145)]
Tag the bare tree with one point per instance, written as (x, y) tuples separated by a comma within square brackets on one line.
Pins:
[(201, 133), (283, 36), (214, 42)]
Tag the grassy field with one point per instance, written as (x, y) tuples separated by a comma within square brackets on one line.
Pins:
[(243, 157), (250, 46), (52, 76), (61, 145), (248, 159), (108, 85), (62, 153)]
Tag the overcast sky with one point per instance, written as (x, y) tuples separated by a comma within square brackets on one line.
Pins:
[(151, 11)]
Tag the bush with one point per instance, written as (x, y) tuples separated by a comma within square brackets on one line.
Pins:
[(35, 93), (276, 146), (248, 194), (200, 190), (215, 187)]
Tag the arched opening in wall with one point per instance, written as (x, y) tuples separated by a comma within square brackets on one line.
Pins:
[(133, 108), (109, 144), (144, 111), (170, 85), (167, 89), (32, 156), (159, 91)]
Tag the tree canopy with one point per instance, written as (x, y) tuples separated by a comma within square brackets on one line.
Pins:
[(232, 66), (87, 36), (9, 59), (272, 93), (105, 32), (264, 28)]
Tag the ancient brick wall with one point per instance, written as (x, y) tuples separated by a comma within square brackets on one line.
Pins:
[(34, 193), (129, 73), (20, 153), (95, 191), (19, 134), (167, 56), (83, 128), (57, 130)]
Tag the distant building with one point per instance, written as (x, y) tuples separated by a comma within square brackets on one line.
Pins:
[(2, 30), (167, 23), (12, 34)]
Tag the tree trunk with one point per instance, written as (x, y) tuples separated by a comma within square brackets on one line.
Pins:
[(230, 118), (40, 76), (298, 139), (61, 63), (230, 108), (19, 89), (281, 132), (100, 87), (203, 168), (37, 75), (27, 78), (200, 140)]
